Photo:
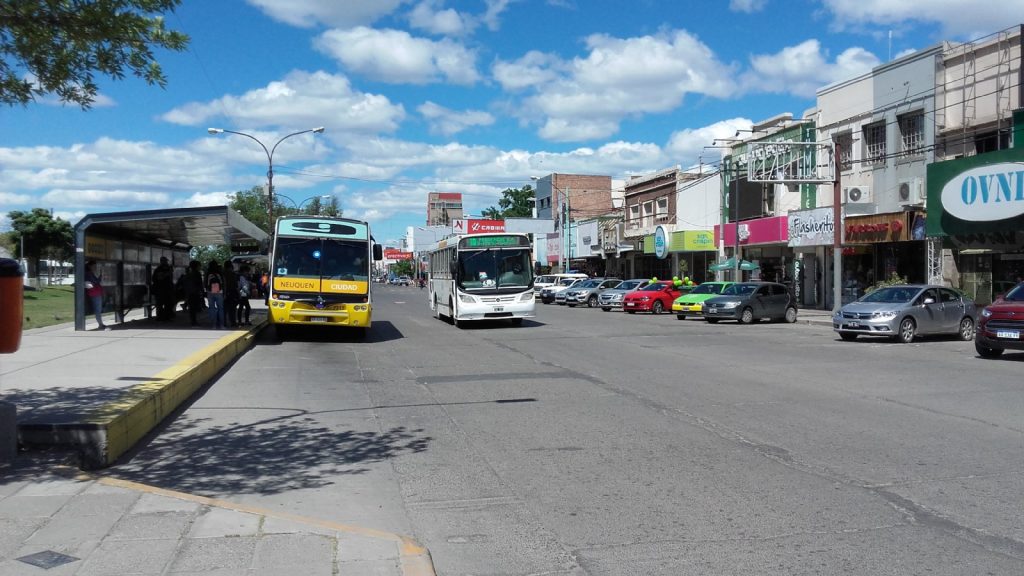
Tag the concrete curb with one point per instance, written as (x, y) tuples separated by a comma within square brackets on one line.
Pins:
[(414, 559), (114, 428)]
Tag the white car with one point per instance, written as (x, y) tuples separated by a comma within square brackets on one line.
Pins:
[(542, 282), (547, 295)]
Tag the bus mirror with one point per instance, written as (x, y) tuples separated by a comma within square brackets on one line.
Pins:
[(378, 252)]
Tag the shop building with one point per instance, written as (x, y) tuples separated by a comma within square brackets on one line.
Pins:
[(566, 199), (669, 222)]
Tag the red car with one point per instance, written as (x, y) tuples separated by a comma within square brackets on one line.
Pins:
[(654, 298), (1001, 325)]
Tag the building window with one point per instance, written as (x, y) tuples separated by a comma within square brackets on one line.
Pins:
[(874, 144), (634, 216), (648, 213), (661, 209), (845, 143), (991, 141), (911, 133)]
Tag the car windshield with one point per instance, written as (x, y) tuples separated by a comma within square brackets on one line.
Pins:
[(710, 288), (891, 295), (629, 285), (1015, 295), (590, 284), (568, 281), (545, 280), (656, 287), (322, 258), (739, 290)]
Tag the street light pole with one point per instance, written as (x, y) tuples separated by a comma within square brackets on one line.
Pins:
[(270, 163)]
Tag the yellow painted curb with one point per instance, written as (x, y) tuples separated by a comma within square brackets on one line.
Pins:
[(125, 421), (415, 559)]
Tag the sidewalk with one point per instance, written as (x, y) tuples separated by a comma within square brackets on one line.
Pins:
[(812, 316), (89, 397)]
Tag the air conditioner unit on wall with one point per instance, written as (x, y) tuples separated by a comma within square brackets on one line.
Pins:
[(856, 195), (912, 191)]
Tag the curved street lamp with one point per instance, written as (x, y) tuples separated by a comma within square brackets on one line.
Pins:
[(270, 163)]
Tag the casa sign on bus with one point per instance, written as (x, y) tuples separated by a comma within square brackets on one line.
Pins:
[(477, 226)]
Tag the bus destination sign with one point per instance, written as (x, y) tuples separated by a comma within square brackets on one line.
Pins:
[(494, 241)]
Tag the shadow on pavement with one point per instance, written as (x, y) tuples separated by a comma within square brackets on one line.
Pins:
[(380, 331), (60, 405), (288, 450)]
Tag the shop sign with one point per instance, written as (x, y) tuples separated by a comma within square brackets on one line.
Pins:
[(477, 226), (395, 254), (812, 227), (698, 240), (771, 230), (986, 194), (877, 228), (660, 243)]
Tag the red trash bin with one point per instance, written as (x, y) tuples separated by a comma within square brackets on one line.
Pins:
[(11, 311)]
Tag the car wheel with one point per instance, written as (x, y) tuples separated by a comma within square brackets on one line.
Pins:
[(848, 336), (658, 307), (907, 330), (747, 316), (791, 315), (986, 352), (606, 309), (966, 332), (711, 320), (630, 311), (592, 302)]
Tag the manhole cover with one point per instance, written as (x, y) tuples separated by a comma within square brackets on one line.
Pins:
[(47, 559)]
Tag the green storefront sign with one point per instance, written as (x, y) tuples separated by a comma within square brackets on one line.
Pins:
[(685, 241), (977, 196)]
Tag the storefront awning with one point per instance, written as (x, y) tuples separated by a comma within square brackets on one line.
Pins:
[(730, 264)]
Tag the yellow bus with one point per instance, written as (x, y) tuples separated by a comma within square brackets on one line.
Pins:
[(320, 273)]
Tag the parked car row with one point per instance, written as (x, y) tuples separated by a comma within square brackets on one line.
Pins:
[(902, 312)]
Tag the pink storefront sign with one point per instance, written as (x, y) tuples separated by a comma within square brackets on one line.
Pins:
[(771, 230)]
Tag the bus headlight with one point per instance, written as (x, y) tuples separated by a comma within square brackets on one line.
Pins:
[(467, 299), (526, 297)]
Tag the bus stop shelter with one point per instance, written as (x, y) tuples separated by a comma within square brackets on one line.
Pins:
[(127, 246)]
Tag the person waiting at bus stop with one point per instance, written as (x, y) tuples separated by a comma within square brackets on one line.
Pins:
[(215, 295), (163, 290), (192, 287), (230, 294)]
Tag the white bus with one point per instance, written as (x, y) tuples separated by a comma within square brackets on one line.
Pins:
[(482, 277)]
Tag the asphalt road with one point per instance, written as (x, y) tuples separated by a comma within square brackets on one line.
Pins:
[(603, 443)]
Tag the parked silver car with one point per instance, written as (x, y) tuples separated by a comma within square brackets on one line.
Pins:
[(547, 295), (750, 301), (905, 311), (589, 291), (612, 298)]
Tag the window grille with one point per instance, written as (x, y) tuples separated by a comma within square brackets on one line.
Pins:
[(874, 144), (912, 133), (845, 143)]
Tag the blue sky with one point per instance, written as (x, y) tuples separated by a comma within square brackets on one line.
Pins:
[(451, 96)]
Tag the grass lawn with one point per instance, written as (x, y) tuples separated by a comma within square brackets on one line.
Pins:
[(51, 305)]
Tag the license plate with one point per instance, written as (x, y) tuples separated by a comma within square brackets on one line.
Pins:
[(712, 311), (499, 308), (319, 319), (853, 324), (630, 304), (1014, 334)]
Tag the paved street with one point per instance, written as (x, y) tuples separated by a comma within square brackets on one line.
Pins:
[(604, 443)]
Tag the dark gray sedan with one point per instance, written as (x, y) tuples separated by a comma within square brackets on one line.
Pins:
[(750, 301), (905, 311)]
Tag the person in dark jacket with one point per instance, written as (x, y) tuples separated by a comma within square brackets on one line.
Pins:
[(230, 294), (215, 295), (163, 290), (192, 286)]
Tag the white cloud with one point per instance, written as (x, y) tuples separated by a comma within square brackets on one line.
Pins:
[(396, 57), (300, 99), (494, 10), (687, 147), (199, 199), (748, 6), (954, 16), (308, 13), (532, 69), (618, 78), (66, 197), (430, 17), (802, 69), (448, 122), (8, 198)]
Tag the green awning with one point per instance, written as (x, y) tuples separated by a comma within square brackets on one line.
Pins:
[(730, 264)]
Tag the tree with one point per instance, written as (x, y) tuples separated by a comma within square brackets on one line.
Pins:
[(514, 203), (207, 254), (58, 47), (252, 205), (44, 236)]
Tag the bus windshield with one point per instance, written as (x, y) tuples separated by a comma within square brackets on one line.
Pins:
[(322, 258), (495, 269)]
